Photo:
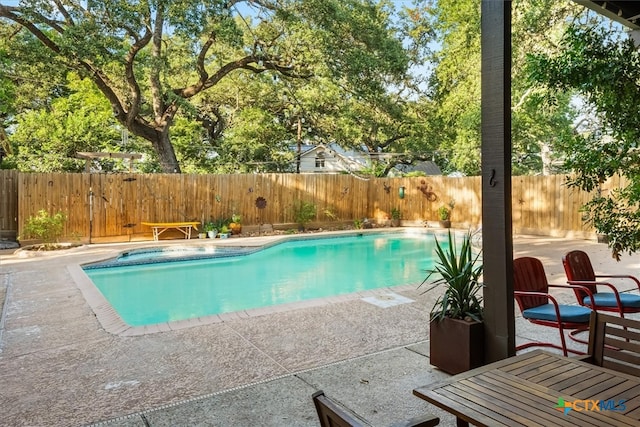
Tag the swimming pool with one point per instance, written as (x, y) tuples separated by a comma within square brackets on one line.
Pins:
[(147, 294)]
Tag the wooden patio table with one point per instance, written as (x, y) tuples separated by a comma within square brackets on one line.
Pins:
[(538, 388)]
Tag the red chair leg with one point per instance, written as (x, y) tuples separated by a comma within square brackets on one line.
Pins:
[(573, 333), (565, 350)]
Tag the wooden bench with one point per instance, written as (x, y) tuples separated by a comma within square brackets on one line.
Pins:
[(614, 343), (160, 227)]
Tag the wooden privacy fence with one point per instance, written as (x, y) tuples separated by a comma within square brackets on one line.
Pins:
[(112, 207), (8, 203)]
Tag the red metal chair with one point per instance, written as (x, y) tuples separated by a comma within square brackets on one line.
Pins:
[(531, 291), (579, 270)]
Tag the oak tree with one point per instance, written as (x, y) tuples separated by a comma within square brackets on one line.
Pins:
[(150, 59)]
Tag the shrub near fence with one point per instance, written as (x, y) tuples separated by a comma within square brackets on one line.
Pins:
[(111, 207)]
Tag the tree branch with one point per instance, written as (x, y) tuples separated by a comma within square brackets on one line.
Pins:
[(200, 67), (64, 12), (10, 13), (134, 87), (156, 52)]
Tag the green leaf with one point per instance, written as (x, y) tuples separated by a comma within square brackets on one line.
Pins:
[(459, 272)]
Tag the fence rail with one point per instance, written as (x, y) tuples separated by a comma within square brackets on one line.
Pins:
[(112, 207)]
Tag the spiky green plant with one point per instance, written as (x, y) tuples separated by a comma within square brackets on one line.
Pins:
[(460, 273)]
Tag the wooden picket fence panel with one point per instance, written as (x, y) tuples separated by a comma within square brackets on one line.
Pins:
[(112, 207), (8, 203)]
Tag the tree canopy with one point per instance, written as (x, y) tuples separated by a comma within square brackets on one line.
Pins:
[(232, 86), (603, 67), (152, 59), (456, 83)]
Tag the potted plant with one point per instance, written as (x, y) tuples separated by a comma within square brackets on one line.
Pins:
[(395, 217), (444, 215), (210, 229), (455, 329), (224, 232), (236, 224)]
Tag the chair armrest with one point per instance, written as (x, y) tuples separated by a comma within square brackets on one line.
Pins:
[(540, 294), (426, 420), (531, 294), (577, 285), (620, 276), (614, 291), (572, 285)]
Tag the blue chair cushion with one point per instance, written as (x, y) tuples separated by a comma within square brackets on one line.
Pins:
[(568, 313), (608, 299)]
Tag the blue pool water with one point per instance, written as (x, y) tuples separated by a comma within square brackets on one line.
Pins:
[(288, 272)]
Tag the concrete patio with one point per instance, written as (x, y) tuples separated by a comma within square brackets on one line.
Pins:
[(59, 367)]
